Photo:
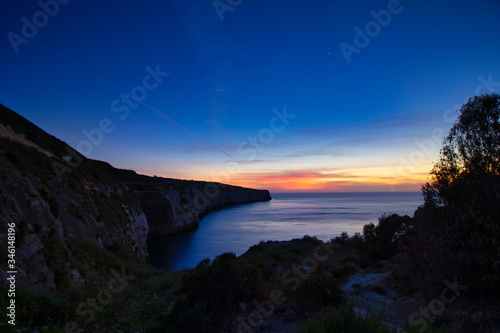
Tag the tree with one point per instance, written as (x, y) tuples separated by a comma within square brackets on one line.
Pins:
[(459, 225), (471, 148)]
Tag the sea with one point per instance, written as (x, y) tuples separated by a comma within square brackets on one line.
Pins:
[(286, 216)]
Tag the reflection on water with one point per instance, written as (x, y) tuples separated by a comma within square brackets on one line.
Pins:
[(287, 216)]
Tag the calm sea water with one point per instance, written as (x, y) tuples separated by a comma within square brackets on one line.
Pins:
[(287, 216)]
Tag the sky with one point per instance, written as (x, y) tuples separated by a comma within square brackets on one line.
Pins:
[(280, 95)]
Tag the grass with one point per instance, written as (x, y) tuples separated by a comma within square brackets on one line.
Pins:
[(345, 319), (28, 160), (36, 311), (146, 296)]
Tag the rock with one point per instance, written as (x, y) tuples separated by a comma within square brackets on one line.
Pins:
[(290, 314), (31, 245), (99, 206), (377, 289), (173, 211), (242, 306), (76, 281), (353, 268), (306, 269), (385, 264)]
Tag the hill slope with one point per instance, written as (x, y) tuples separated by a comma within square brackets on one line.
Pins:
[(62, 202)]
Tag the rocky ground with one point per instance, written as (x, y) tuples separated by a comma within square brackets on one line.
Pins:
[(375, 291)]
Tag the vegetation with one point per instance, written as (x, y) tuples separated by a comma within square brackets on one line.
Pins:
[(345, 319), (141, 295), (454, 235), (383, 241), (214, 292), (459, 225)]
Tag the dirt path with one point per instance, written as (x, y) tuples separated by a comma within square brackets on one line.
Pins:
[(374, 291)]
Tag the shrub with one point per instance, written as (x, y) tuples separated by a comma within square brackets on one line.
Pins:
[(213, 292), (345, 319), (319, 291), (458, 227), (382, 241)]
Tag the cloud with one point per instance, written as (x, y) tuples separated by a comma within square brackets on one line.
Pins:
[(365, 178)]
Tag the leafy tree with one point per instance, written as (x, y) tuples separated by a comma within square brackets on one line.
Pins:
[(459, 225), (471, 148)]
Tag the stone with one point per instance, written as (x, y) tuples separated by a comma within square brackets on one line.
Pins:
[(242, 306), (290, 314)]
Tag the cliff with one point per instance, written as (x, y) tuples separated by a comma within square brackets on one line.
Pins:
[(64, 206), (172, 205)]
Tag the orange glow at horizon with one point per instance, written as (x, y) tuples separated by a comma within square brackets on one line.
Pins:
[(318, 182), (377, 177), (304, 184)]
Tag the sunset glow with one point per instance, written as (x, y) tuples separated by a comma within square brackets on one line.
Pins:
[(267, 96)]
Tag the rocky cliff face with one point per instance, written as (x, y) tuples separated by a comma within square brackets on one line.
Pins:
[(64, 206), (173, 205), (54, 216), (171, 211)]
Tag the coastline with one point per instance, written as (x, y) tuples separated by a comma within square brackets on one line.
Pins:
[(294, 215)]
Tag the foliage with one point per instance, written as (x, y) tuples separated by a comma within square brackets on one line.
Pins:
[(345, 319), (458, 228), (471, 148), (319, 291), (38, 311), (212, 292), (382, 241)]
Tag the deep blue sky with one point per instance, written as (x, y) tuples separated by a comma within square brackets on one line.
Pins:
[(356, 123)]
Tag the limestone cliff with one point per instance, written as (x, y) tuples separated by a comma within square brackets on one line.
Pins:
[(55, 214), (65, 205), (172, 206)]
